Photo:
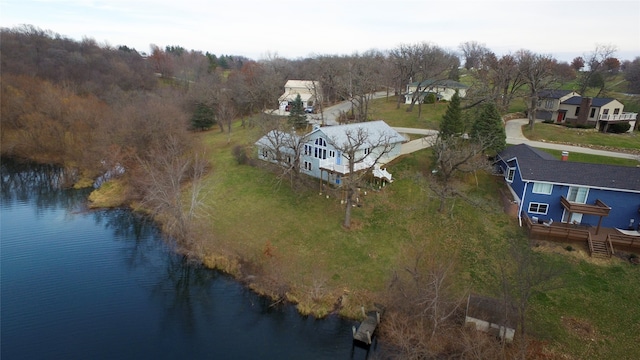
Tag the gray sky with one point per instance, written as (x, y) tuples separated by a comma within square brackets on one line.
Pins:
[(299, 28)]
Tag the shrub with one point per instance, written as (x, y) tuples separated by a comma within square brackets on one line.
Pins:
[(240, 154), (430, 98), (569, 248), (619, 128)]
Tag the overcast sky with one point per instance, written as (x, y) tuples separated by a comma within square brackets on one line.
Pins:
[(298, 28)]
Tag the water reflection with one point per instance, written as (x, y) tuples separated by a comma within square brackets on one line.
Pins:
[(115, 289)]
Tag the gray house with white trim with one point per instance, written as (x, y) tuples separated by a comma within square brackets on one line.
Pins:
[(321, 158)]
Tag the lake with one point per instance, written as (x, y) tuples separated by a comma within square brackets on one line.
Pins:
[(103, 284)]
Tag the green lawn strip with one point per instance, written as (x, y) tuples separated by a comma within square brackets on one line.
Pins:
[(385, 109), (595, 314), (563, 134), (593, 159)]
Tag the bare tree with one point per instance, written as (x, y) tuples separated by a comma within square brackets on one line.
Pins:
[(538, 72), (523, 274), (284, 147), (452, 156), (424, 62), (166, 172), (362, 149), (473, 53), (422, 305), (596, 61)]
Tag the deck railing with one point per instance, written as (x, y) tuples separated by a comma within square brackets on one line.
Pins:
[(618, 117)]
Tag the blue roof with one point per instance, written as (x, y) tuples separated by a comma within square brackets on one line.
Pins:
[(595, 102), (536, 165), (553, 94)]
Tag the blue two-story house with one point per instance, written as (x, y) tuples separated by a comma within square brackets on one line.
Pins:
[(580, 193), (320, 151)]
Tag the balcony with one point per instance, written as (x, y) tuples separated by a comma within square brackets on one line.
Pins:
[(619, 117)]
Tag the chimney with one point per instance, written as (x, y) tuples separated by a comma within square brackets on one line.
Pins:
[(583, 113), (565, 155)]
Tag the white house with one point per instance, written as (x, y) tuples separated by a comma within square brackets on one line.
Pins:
[(321, 158), (443, 89), (310, 92)]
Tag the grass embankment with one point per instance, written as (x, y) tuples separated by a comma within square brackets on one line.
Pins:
[(587, 137), (296, 238)]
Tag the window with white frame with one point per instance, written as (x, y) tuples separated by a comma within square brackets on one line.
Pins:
[(307, 165), (307, 150), (578, 194), (538, 208), (511, 173), (265, 153), (542, 188)]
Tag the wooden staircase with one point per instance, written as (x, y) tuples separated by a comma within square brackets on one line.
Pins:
[(600, 248)]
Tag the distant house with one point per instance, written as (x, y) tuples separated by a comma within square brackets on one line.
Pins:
[(564, 106), (570, 192), (442, 89), (320, 157), (549, 104), (492, 316), (310, 92)]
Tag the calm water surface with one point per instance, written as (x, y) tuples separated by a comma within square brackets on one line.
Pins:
[(80, 284)]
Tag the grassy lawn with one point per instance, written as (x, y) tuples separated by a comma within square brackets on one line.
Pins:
[(563, 134), (593, 159), (295, 237), (430, 114)]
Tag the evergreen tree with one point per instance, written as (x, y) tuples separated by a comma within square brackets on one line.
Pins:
[(297, 117), (488, 129), (452, 122), (203, 117)]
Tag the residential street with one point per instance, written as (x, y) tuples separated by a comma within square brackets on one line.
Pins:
[(513, 128)]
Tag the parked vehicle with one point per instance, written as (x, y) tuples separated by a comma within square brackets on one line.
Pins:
[(309, 110)]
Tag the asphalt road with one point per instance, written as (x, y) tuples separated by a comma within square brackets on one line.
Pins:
[(513, 128)]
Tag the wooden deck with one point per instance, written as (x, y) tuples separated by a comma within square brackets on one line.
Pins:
[(364, 333), (601, 242)]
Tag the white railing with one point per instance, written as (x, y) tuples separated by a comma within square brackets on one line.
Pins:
[(623, 116), (330, 164)]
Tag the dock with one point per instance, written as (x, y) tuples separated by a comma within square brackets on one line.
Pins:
[(364, 332)]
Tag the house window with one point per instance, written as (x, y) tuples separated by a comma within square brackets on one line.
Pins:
[(549, 103), (577, 111), (265, 153), (367, 151), (332, 153), (605, 111), (511, 172), (320, 150), (307, 165), (616, 111), (307, 150), (538, 208), (578, 194), (593, 112), (542, 188)]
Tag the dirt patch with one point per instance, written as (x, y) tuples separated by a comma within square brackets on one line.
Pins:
[(574, 250), (580, 328)]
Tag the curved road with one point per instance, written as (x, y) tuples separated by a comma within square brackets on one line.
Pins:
[(513, 128)]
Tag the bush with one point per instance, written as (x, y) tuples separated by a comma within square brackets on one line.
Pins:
[(240, 154), (619, 128), (430, 98)]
